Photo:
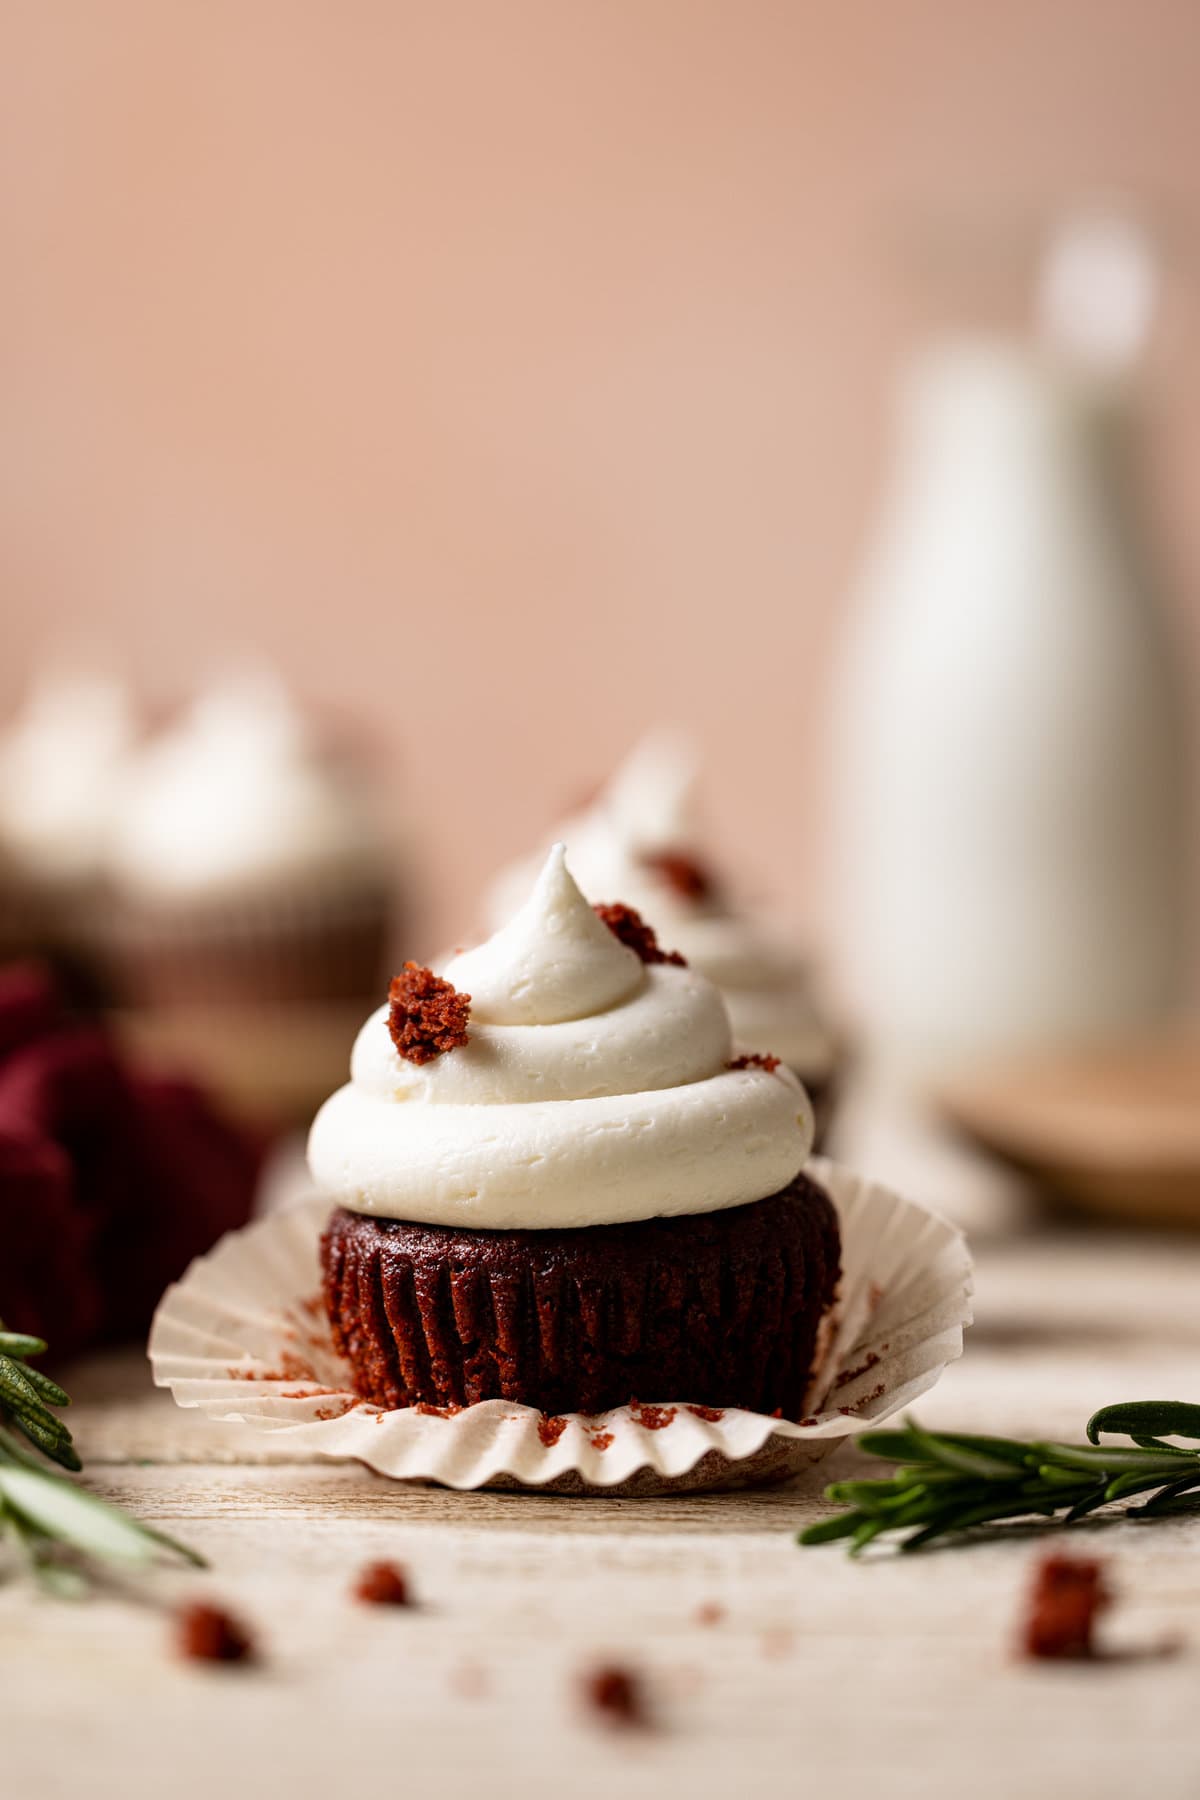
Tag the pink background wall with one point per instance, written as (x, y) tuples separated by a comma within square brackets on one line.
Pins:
[(515, 374)]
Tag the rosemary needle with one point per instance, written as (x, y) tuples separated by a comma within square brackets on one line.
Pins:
[(60, 1526), (951, 1482)]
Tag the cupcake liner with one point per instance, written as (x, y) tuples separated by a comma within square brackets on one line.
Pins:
[(272, 1064), (51, 923), (320, 945), (261, 996), (26, 920), (244, 1338)]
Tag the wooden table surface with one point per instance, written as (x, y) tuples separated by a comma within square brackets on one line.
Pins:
[(822, 1675)]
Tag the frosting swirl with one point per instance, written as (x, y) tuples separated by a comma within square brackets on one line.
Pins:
[(239, 798), (617, 849), (61, 763), (593, 1088)]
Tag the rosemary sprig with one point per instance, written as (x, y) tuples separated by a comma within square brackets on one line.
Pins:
[(62, 1529), (950, 1482)]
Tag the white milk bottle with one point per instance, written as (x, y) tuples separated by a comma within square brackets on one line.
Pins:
[(1008, 753)]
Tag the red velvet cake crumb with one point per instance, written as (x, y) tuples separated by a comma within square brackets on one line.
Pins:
[(1068, 1596), (617, 1694), (863, 1368), (470, 1680), (651, 1418), (382, 1584), (752, 1060), (426, 1016), (550, 1429), (689, 878), (632, 930), (209, 1634)]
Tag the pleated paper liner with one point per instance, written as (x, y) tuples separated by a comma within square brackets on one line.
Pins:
[(243, 1336)]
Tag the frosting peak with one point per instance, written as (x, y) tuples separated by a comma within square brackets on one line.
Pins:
[(636, 843), (554, 961), (592, 1087), (237, 797), (652, 796), (60, 766)]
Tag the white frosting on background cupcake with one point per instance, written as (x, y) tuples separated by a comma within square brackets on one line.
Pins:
[(237, 798), (61, 764), (648, 812), (593, 1088)]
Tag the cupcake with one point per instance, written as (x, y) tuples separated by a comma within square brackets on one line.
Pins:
[(61, 763), (558, 1182), (639, 839), (250, 896)]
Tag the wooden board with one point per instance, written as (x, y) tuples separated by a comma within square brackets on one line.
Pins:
[(1114, 1132), (823, 1676)]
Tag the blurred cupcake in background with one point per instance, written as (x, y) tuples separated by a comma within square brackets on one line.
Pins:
[(639, 841), (251, 896), (63, 760)]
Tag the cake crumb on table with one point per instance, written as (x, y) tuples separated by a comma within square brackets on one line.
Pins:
[(617, 1694), (1068, 1595), (470, 1681), (383, 1584), (206, 1633)]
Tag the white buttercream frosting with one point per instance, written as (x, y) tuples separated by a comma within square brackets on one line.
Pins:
[(593, 1088), (61, 762), (238, 797), (648, 809)]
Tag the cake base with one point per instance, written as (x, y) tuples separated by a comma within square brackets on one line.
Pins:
[(723, 1308)]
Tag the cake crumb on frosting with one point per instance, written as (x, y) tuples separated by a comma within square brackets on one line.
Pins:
[(632, 930), (426, 1015), (752, 1060), (689, 878)]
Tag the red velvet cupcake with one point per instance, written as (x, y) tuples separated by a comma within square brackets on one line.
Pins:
[(557, 1183), (63, 760), (251, 899)]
